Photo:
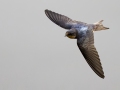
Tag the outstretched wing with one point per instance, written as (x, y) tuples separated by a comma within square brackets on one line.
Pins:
[(61, 20), (90, 53)]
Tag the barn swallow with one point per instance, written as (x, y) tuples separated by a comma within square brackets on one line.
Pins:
[(83, 32)]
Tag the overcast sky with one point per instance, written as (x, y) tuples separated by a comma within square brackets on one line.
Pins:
[(35, 55)]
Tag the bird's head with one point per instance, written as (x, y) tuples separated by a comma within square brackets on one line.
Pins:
[(71, 34)]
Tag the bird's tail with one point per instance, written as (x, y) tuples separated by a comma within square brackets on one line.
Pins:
[(99, 26)]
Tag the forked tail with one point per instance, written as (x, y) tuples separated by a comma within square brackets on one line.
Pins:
[(99, 26)]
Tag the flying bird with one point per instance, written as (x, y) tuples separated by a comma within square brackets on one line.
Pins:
[(83, 32)]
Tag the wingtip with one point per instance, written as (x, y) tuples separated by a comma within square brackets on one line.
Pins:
[(102, 76), (46, 10)]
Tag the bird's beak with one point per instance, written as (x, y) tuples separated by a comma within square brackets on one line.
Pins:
[(66, 34)]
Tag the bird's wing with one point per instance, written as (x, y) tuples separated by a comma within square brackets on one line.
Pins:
[(61, 20), (90, 54)]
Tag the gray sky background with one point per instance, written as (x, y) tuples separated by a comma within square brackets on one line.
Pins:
[(35, 55)]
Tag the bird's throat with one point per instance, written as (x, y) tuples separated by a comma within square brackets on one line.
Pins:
[(72, 37)]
